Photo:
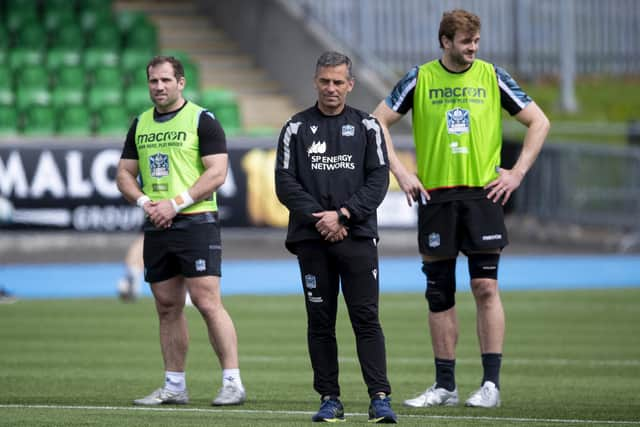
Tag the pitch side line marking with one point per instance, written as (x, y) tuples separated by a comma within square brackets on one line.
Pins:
[(352, 414), (467, 361)]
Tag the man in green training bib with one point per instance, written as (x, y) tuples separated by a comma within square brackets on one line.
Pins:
[(180, 152), (461, 189)]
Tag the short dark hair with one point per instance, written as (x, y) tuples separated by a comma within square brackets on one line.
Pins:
[(457, 20), (333, 59), (178, 68)]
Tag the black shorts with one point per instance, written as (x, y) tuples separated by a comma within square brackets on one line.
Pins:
[(473, 225), (191, 251)]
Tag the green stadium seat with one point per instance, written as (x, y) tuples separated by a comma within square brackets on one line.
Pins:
[(92, 18), (30, 35), (27, 97), (191, 94), (224, 105), (191, 71), (55, 17), (71, 77), (126, 20), (108, 76), (20, 14), (69, 36), (133, 60), (137, 100), (112, 121), (99, 97), (62, 57), (7, 96), (39, 121), (8, 121), (138, 78), (142, 36), (95, 57), (4, 56), (20, 58), (32, 77), (74, 121), (106, 35), (64, 97)]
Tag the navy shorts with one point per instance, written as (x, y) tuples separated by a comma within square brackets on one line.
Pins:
[(192, 251), (474, 225)]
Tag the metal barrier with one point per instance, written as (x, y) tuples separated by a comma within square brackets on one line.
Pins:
[(584, 184), (524, 36)]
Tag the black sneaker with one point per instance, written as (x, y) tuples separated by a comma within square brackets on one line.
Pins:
[(6, 297), (380, 411), (331, 411)]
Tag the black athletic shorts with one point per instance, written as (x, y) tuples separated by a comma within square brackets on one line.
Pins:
[(472, 225), (191, 251)]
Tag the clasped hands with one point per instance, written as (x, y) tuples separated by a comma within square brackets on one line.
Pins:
[(329, 227)]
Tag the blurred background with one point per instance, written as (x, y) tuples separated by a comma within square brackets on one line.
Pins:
[(72, 78)]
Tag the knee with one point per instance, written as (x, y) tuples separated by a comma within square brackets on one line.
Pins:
[(484, 289), (441, 284)]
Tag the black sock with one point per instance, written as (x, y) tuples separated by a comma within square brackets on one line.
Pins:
[(491, 367), (445, 374)]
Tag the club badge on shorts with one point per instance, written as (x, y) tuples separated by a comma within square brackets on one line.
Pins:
[(434, 240)]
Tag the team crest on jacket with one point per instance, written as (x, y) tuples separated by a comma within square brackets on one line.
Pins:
[(159, 165), (348, 130), (458, 121)]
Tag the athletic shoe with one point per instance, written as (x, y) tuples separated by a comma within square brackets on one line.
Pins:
[(230, 394), (487, 396), (163, 396), (434, 396), (128, 289), (380, 411), (331, 411)]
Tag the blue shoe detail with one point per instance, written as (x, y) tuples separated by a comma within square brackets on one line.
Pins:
[(380, 411), (331, 411)]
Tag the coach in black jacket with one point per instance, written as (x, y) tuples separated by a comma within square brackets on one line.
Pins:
[(332, 173)]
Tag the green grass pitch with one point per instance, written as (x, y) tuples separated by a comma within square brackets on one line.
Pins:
[(570, 358)]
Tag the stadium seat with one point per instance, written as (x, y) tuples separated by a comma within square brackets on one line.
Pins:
[(142, 37), (126, 20), (32, 77), (112, 121), (62, 57), (95, 57), (30, 35), (8, 121), (19, 58), (137, 100), (99, 97), (64, 97), (69, 36), (224, 106), (134, 60), (7, 95), (105, 34), (71, 77), (74, 121), (27, 97), (19, 13), (39, 121), (109, 77), (55, 17)]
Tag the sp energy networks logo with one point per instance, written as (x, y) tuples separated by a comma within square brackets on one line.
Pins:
[(159, 165)]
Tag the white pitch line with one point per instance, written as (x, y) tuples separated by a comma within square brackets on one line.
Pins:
[(462, 361), (351, 414)]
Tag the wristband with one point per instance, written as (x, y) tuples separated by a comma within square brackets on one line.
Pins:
[(142, 200), (182, 201)]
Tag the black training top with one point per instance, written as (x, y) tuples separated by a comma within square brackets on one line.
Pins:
[(328, 162)]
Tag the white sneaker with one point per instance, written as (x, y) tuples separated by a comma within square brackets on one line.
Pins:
[(434, 397), (230, 394), (163, 396), (487, 396)]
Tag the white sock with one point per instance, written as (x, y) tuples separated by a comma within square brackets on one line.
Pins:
[(175, 381), (231, 376)]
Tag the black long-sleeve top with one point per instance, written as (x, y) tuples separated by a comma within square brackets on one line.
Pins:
[(329, 162)]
